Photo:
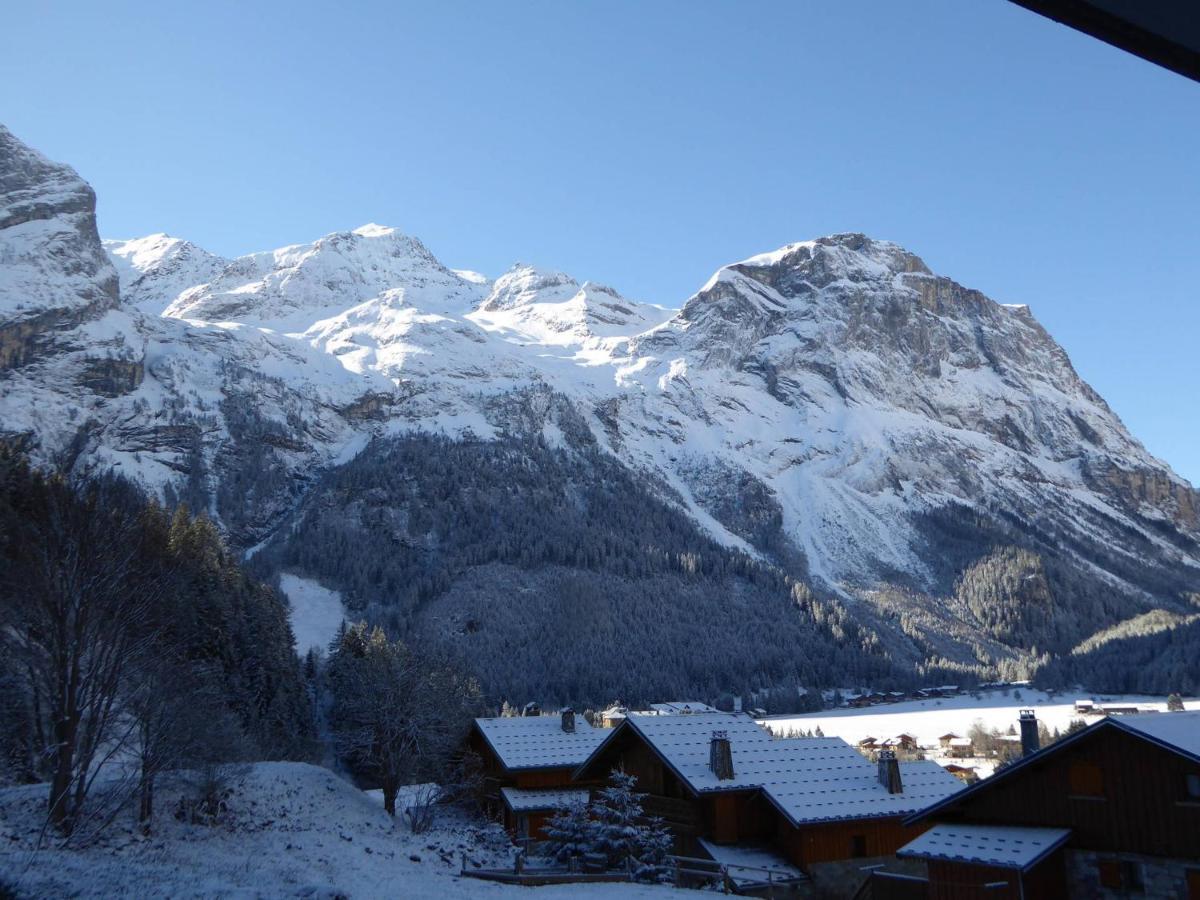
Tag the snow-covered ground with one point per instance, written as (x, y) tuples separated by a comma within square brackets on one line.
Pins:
[(927, 720), (292, 830), (317, 612)]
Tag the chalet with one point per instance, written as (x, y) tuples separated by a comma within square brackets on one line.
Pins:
[(945, 739), (613, 716), (969, 774), (902, 742), (1112, 810), (527, 766), (721, 780), (960, 747)]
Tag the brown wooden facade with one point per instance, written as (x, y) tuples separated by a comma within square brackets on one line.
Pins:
[(1114, 790), (496, 777), (742, 815), (956, 881), (1124, 797)]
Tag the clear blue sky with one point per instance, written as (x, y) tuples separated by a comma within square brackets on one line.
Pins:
[(646, 143)]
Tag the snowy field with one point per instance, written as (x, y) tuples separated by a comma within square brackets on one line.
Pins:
[(317, 612), (927, 720), (292, 830)]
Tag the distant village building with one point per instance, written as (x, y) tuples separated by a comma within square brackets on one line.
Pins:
[(681, 708), (1110, 811)]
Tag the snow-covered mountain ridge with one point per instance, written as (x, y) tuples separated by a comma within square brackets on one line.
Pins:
[(833, 407)]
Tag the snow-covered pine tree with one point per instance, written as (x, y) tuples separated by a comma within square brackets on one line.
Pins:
[(616, 811), (655, 844), (570, 833)]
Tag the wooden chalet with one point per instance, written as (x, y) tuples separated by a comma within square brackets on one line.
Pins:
[(1110, 811), (719, 779), (528, 763)]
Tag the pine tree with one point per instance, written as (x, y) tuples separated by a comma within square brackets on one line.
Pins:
[(570, 833), (616, 811)]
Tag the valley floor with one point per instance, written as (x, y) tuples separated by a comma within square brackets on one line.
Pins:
[(927, 720), (292, 830)]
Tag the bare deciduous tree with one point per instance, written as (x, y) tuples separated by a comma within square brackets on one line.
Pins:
[(397, 715), (79, 586)]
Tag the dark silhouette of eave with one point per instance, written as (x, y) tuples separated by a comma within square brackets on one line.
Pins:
[(1164, 32)]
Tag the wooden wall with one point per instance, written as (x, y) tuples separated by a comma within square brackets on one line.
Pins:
[(1141, 804), (830, 841), (962, 881)]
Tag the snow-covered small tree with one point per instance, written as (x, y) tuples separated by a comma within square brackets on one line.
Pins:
[(1174, 703), (570, 833), (616, 811), (655, 843)]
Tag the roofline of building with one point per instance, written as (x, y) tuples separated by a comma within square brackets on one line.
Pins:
[(1000, 865), (1119, 31), (760, 788), (500, 757), (1045, 753)]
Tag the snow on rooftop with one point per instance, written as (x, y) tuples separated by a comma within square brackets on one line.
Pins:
[(1179, 729), (682, 707), (536, 800), (1008, 846), (809, 779), (539, 742)]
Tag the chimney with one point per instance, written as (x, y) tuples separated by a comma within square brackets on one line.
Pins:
[(568, 720), (889, 772), (1029, 732), (720, 756)]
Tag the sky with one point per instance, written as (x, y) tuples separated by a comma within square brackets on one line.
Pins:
[(645, 144)]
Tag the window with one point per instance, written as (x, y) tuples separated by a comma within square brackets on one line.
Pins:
[(858, 846), (1191, 786), (1121, 875), (1086, 780)]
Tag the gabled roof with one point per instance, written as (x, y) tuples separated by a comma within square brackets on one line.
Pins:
[(806, 779), (538, 800), (1007, 846), (538, 742), (1176, 732)]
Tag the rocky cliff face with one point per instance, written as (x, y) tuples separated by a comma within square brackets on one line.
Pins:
[(912, 452), (53, 273)]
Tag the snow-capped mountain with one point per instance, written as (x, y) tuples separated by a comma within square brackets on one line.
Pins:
[(833, 408)]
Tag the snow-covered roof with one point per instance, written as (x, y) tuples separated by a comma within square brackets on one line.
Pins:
[(526, 800), (832, 788), (1011, 847), (538, 742), (1177, 730), (808, 779), (682, 707)]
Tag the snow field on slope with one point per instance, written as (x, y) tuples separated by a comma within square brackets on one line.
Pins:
[(292, 830), (927, 720), (316, 612)]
